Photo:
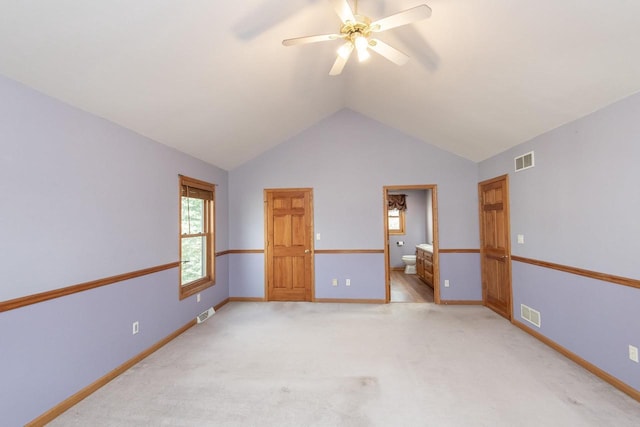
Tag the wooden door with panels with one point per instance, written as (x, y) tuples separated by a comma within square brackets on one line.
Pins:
[(495, 247), (289, 244)]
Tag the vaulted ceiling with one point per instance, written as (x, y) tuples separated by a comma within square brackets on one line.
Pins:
[(212, 78)]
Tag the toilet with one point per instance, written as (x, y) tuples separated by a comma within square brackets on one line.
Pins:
[(410, 264)]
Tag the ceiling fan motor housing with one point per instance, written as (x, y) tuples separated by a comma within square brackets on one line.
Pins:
[(361, 27)]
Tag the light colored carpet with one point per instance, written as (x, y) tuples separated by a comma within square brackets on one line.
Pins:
[(305, 364)]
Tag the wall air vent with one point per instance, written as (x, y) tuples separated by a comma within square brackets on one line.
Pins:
[(525, 161), (205, 315), (530, 315)]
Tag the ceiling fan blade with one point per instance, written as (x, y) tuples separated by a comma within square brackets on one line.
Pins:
[(311, 39), (343, 56), (390, 53), (401, 18), (343, 10)]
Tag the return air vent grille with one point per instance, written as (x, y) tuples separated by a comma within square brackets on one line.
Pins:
[(205, 315), (525, 161), (530, 315)]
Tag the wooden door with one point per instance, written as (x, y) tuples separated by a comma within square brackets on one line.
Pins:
[(289, 245), (495, 245)]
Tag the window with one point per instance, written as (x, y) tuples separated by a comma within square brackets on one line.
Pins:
[(197, 240), (395, 221)]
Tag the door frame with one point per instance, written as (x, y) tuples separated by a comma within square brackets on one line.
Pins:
[(436, 257), (506, 201), (267, 253)]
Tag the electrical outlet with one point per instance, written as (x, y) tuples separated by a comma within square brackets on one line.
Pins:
[(317, 236), (198, 298), (521, 239), (633, 353), (334, 282), (446, 283), (135, 328), (347, 282)]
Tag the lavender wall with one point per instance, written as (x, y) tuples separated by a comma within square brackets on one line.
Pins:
[(415, 227), (85, 199), (80, 191), (366, 272), (463, 273), (429, 212), (589, 317), (579, 207), (347, 159), (244, 268)]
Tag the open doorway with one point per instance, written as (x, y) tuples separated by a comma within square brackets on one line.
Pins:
[(411, 243)]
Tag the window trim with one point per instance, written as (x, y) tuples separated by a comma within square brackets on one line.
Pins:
[(401, 217), (209, 233)]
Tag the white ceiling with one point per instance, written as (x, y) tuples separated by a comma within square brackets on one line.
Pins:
[(212, 79)]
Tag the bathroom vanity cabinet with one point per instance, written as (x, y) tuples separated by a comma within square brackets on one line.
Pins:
[(424, 265)]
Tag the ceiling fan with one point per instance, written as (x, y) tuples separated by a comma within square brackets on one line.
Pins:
[(357, 30)]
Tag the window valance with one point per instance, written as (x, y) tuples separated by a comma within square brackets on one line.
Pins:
[(397, 201)]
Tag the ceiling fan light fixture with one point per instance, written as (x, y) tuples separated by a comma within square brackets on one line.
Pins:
[(361, 44), (363, 55)]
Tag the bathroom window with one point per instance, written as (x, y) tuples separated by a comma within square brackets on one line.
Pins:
[(197, 252), (395, 221)]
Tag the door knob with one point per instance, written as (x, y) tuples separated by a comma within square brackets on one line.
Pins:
[(306, 251)]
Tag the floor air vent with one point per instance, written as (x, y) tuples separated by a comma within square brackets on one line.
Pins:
[(205, 315), (525, 161), (530, 315)]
